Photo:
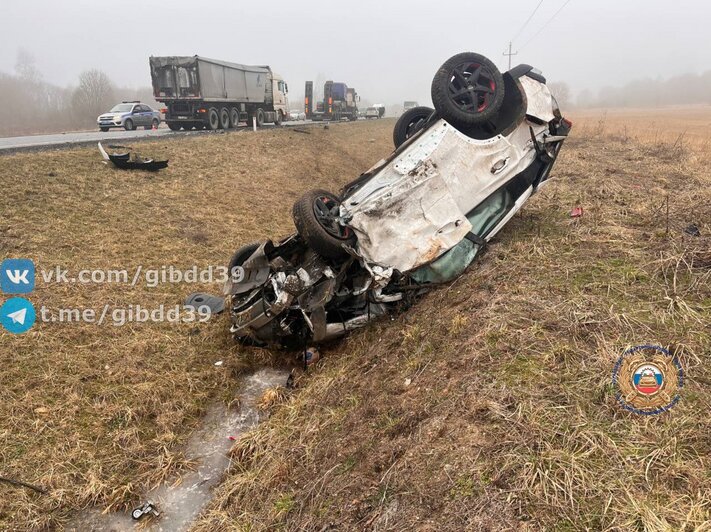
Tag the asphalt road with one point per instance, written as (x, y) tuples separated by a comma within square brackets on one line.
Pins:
[(9, 144)]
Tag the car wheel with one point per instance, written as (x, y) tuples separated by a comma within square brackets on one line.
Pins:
[(410, 123), (260, 117), (234, 117), (213, 119), (128, 125), (104, 129), (224, 118), (315, 216), (174, 126), (188, 126), (279, 119), (468, 90)]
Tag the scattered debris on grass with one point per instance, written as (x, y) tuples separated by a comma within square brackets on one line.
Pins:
[(110, 435), (145, 509), (127, 159), (198, 301), (692, 230)]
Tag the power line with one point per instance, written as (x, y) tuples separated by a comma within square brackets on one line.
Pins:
[(545, 25), (526, 23)]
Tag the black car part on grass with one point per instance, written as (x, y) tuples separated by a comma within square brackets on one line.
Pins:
[(125, 158), (199, 300)]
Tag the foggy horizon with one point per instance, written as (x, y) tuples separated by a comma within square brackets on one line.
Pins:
[(387, 51)]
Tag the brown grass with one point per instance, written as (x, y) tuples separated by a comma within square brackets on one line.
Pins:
[(97, 414), (685, 128), (487, 406)]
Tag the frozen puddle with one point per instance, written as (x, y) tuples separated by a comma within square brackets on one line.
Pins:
[(180, 505)]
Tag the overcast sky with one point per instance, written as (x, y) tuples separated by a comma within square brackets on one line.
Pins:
[(387, 49)]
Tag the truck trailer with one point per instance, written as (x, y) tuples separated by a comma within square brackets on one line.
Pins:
[(206, 93), (339, 102)]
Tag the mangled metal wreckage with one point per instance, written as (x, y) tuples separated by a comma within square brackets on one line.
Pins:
[(418, 218)]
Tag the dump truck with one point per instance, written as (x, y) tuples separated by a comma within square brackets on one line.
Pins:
[(206, 93), (339, 102)]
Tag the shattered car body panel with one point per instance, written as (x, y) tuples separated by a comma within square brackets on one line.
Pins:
[(420, 217)]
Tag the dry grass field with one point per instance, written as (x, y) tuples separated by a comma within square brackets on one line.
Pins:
[(487, 406), (685, 126)]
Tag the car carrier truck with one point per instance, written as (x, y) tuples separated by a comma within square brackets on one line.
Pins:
[(209, 94), (339, 102)]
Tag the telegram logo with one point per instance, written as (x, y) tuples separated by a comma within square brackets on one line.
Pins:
[(17, 315)]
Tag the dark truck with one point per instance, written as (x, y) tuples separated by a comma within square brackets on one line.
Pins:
[(339, 102), (209, 94)]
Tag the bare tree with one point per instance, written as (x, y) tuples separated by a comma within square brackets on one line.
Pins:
[(561, 91), (93, 96), (25, 66)]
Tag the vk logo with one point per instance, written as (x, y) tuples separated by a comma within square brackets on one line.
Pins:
[(17, 276), (17, 315)]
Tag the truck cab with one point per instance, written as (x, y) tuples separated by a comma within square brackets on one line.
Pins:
[(280, 90)]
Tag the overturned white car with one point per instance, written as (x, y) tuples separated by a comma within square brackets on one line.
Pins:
[(459, 172)]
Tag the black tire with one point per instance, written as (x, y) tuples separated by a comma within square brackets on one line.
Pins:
[(321, 231), (104, 129), (259, 114), (128, 125), (234, 117), (213, 119), (410, 123), (279, 118), (174, 126), (188, 126), (468, 90), (224, 118)]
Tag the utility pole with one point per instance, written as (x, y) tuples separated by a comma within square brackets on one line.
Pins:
[(510, 54)]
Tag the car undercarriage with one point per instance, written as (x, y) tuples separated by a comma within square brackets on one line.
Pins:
[(416, 219)]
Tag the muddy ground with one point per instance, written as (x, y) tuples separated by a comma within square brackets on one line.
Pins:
[(486, 406)]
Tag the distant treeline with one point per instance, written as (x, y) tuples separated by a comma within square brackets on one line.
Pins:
[(680, 90), (32, 105)]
